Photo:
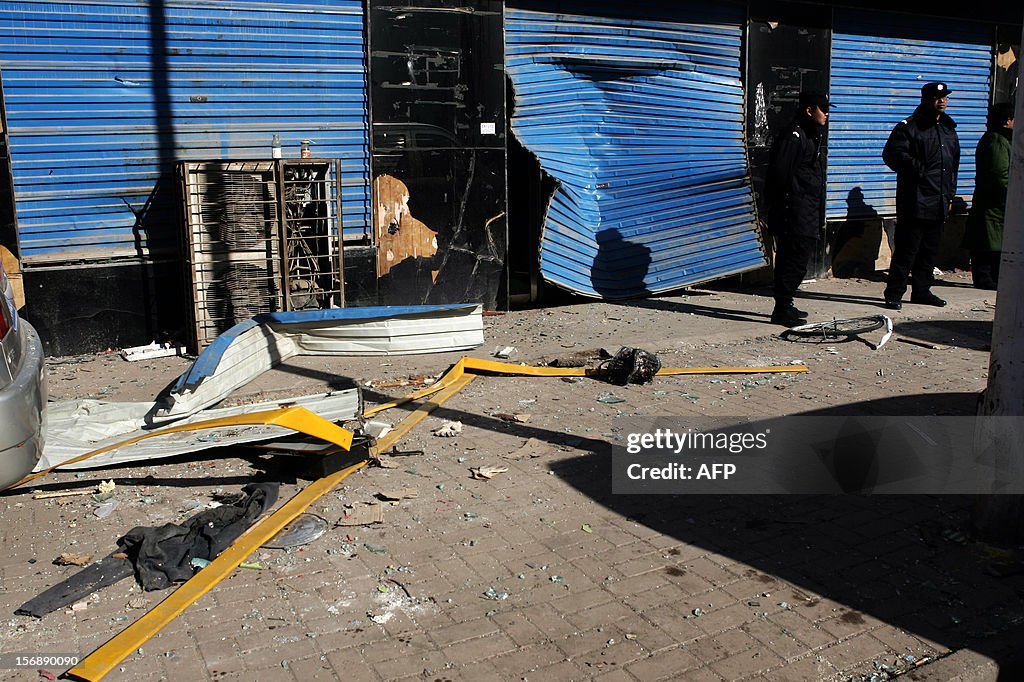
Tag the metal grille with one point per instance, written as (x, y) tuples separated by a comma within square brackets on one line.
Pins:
[(243, 258)]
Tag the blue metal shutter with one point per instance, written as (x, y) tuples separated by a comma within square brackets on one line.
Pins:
[(100, 95), (636, 110), (879, 63)]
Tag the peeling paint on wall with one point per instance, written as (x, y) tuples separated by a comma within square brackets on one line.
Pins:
[(399, 234)]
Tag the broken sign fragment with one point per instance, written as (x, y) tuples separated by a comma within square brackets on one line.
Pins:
[(78, 427), (362, 514), (398, 494), (152, 351)]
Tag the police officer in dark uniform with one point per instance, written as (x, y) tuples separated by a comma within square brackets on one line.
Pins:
[(924, 151), (794, 188)]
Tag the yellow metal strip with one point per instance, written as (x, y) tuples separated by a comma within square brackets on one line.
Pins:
[(414, 418), (108, 656), (470, 364), (295, 418), (451, 375), (527, 370), (95, 666), (100, 662)]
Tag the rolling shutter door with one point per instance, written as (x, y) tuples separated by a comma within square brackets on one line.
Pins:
[(636, 111), (103, 97), (879, 63)]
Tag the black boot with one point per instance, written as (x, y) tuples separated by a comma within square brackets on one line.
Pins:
[(788, 316)]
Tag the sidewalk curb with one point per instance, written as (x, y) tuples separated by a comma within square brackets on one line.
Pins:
[(1003, 662), (960, 666)]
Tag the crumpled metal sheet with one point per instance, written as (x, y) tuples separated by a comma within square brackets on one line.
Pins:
[(250, 348), (75, 427), (639, 116)]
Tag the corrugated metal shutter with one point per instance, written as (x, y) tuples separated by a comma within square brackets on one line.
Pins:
[(879, 63), (101, 95), (636, 110)]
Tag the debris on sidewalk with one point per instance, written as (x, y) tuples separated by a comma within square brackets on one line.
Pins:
[(200, 564), (610, 399), (534, 447), (152, 351), (419, 380), (504, 353), (376, 428), (303, 530), (106, 509), (160, 555), (630, 366), (493, 594), (104, 491), (922, 344), (65, 493), (386, 462), (519, 417), (405, 493), (73, 559), (582, 358), (448, 429), (486, 473), (361, 514)]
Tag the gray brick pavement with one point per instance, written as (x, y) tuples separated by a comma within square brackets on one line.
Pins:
[(788, 588)]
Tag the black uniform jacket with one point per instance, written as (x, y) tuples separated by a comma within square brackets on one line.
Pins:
[(795, 181), (925, 154)]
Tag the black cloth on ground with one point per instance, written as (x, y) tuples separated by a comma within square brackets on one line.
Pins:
[(160, 556)]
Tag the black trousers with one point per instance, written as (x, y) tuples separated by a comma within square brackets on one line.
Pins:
[(792, 255), (915, 246), (985, 266)]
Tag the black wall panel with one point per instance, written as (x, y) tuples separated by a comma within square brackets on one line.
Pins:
[(437, 100)]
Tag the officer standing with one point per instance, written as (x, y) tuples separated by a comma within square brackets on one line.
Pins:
[(794, 187), (924, 151)]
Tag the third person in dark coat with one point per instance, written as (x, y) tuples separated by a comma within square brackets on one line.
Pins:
[(984, 233)]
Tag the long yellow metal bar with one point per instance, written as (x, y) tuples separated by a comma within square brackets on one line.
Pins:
[(451, 375), (295, 418), (414, 418), (469, 364), (100, 662), (528, 370), (97, 664)]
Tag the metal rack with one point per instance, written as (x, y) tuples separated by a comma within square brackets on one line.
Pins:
[(262, 236)]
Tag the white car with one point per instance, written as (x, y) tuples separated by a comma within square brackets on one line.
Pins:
[(22, 391)]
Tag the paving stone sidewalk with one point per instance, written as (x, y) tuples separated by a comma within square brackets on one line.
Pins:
[(541, 573)]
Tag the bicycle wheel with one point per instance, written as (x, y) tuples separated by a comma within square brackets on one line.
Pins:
[(837, 328)]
